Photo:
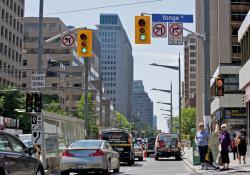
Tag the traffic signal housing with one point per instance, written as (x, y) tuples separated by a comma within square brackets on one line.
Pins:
[(84, 43), (29, 102), (37, 102), (219, 89), (142, 30)]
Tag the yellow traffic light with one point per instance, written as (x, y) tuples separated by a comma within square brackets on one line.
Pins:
[(84, 43), (142, 30)]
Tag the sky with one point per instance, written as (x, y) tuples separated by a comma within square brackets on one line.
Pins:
[(157, 52)]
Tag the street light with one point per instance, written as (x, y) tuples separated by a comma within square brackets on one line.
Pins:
[(179, 69)]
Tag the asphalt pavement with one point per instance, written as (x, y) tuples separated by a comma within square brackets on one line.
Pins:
[(151, 167)]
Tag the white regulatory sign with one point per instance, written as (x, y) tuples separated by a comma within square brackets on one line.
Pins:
[(68, 40), (175, 33), (38, 81), (159, 29), (37, 137), (36, 123)]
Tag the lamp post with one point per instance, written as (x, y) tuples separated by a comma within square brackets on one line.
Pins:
[(179, 69), (171, 102), (171, 112)]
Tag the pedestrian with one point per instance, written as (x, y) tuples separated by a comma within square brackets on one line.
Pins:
[(242, 146), (201, 138), (214, 143), (234, 146), (225, 142)]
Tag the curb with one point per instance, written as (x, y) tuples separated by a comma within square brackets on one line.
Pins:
[(190, 165)]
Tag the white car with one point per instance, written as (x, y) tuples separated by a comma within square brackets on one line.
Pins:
[(138, 151), (89, 156)]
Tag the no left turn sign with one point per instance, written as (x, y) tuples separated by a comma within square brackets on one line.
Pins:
[(159, 30), (68, 40)]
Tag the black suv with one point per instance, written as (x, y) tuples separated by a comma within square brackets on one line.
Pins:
[(121, 141), (16, 158)]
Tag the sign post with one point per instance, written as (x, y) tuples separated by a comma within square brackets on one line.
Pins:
[(38, 81), (175, 34), (159, 29)]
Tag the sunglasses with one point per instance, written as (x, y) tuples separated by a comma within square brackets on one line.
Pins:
[(223, 127)]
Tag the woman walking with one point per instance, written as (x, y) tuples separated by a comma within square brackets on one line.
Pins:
[(201, 139), (242, 146), (214, 143), (225, 142), (234, 146)]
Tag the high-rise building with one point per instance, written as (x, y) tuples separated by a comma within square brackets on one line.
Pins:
[(142, 104), (63, 69), (244, 78), (190, 70), (226, 17), (11, 42), (116, 63)]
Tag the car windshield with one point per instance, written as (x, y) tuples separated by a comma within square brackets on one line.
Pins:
[(116, 137), (136, 145), (169, 139), (86, 144)]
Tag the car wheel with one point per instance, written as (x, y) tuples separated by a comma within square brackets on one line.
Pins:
[(140, 158), (117, 170), (40, 171), (178, 158), (156, 157), (65, 173)]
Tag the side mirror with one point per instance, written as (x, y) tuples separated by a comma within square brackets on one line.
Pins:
[(31, 150)]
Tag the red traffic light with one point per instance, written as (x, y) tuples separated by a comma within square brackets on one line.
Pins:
[(83, 37), (142, 23)]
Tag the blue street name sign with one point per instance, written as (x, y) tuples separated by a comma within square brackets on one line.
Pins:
[(172, 18)]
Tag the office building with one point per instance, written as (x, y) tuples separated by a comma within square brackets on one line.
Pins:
[(63, 69), (116, 63), (11, 42), (190, 70), (226, 17), (244, 78), (142, 104)]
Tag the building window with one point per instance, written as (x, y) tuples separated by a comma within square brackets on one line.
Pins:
[(192, 40), (192, 54), (25, 63), (192, 47)]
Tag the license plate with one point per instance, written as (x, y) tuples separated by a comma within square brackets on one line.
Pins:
[(81, 166), (119, 149)]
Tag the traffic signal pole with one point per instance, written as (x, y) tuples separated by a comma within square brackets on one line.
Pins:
[(86, 86), (39, 66)]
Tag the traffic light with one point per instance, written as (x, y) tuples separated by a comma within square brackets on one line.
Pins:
[(142, 30), (29, 102), (37, 102), (219, 90), (84, 43)]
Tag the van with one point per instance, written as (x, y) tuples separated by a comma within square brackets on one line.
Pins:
[(121, 141), (167, 145)]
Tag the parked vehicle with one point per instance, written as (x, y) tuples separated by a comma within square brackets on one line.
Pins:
[(121, 141), (89, 155), (167, 145), (138, 151), (16, 158), (150, 146)]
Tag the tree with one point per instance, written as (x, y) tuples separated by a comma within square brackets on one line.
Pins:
[(187, 122), (91, 113), (122, 121)]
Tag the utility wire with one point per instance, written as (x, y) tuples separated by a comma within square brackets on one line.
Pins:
[(103, 7)]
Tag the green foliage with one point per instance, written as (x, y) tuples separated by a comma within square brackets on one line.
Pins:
[(11, 99), (122, 121), (187, 122), (54, 107)]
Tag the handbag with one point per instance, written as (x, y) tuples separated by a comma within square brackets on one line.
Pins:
[(207, 156), (219, 159)]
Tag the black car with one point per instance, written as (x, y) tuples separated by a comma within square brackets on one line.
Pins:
[(121, 141), (150, 146), (16, 158)]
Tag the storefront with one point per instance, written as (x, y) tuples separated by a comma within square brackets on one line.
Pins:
[(235, 118)]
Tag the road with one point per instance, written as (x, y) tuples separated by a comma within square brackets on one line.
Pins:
[(151, 167)]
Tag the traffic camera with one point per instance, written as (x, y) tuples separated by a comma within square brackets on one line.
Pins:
[(219, 89), (84, 43), (142, 30)]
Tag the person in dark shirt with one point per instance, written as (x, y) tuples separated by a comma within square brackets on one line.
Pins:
[(225, 142), (242, 146)]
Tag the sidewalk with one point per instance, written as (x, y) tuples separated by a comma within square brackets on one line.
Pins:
[(234, 166)]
